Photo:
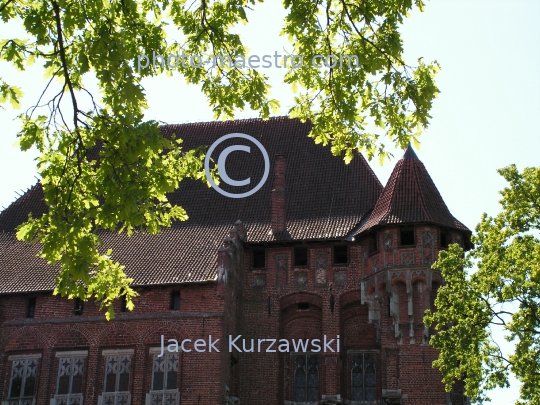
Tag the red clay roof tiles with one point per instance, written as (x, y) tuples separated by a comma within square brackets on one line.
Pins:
[(325, 199), (409, 197)]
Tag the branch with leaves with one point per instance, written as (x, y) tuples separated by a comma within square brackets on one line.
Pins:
[(504, 291), (107, 169)]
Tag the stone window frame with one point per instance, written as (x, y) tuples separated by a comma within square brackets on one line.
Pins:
[(21, 399), (350, 354), (165, 391), (119, 397), (306, 354), (64, 399)]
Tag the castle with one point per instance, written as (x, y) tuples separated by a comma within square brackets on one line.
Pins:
[(320, 280)]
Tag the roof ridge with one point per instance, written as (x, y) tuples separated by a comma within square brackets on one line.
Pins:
[(240, 120)]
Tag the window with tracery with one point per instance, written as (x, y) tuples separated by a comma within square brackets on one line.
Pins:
[(306, 378), (164, 389), (69, 389), (23, 378), (363, 377), (117, 377)]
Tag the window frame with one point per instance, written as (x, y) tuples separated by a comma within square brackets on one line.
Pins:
[(112, 353), (443, 234), (258, 249), (174, 300), (351, 354), (154, 351), (293, 360), (77, 354), (407, 229), (20, 357), (31, 307), (306, 264), (123, 304), (78, 307), (347, 253)]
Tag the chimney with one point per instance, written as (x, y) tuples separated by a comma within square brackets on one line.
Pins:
[(279, 218)]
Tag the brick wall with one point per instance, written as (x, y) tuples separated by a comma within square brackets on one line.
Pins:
[(54, 328), (374, 302)]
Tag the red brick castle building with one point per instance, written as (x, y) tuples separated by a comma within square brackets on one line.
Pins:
[(322, 277)]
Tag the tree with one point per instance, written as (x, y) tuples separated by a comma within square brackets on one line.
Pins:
[(503, 291), (103, 167)]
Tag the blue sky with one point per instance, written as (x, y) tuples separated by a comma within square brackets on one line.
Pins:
[(486, 117)]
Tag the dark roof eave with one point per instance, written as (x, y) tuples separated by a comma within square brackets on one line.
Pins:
[(214, 281), (375, 228)]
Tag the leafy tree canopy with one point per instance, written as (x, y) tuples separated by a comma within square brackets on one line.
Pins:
[(80, 41), (504, 291)]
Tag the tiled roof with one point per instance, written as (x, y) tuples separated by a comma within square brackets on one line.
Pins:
[(325, 199), (410, 196)]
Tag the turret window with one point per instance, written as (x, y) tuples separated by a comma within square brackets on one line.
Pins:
[(407, 237), (444, 240)]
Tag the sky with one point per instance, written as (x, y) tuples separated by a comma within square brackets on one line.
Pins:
[(486, 116)]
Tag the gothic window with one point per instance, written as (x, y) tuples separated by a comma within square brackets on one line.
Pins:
[(164, 389), (306, 378), (69, 389), (363, 377), (117, 373), (22, 383)]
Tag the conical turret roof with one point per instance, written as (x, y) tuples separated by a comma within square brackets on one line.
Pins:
[(410, 196)]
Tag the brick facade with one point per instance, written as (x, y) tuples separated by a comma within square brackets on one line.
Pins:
[(373, 310), (325, 253)]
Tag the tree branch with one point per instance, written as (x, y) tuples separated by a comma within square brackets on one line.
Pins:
[(2, 8)]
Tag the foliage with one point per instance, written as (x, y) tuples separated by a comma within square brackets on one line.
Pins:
[(504, 291), (103, 167)]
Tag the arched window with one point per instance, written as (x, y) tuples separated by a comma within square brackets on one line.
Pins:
[(363, 377), (306, 378)]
